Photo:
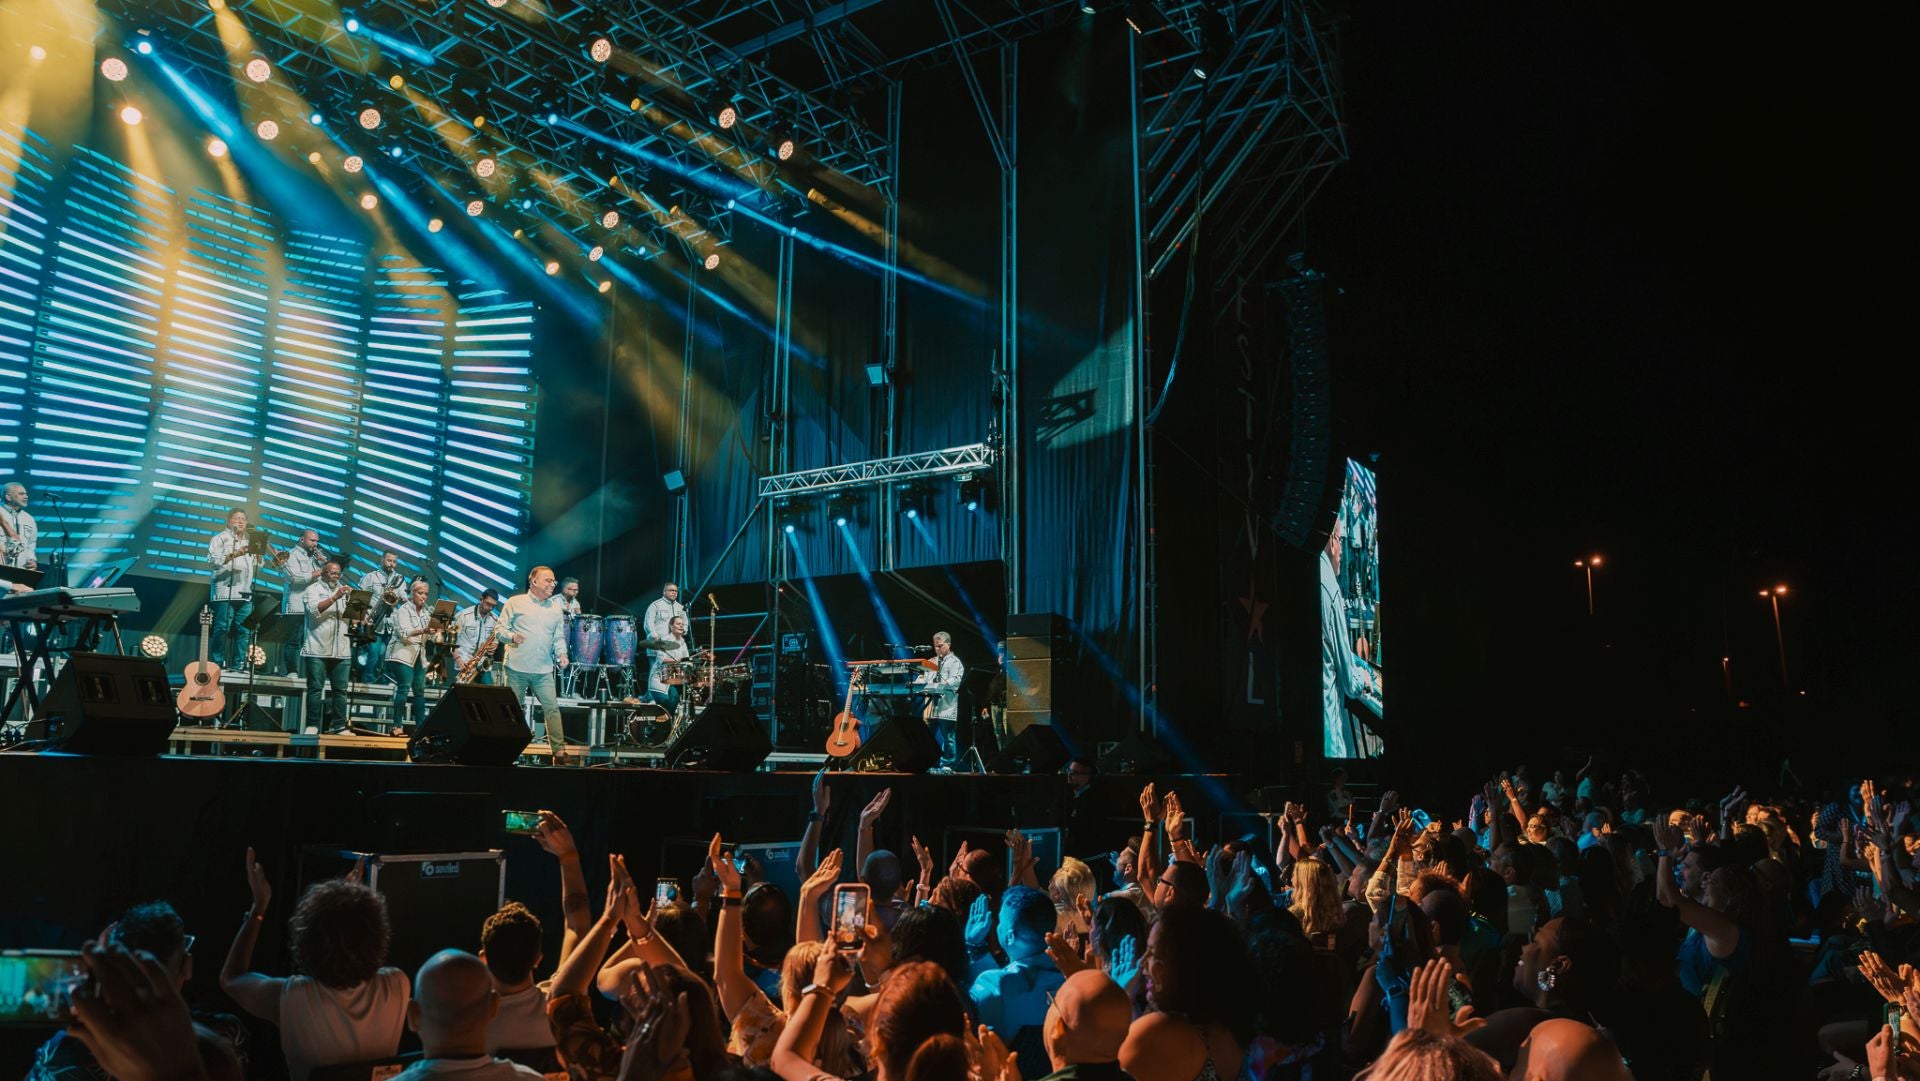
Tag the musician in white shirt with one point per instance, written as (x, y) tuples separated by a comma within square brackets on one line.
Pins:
[(471, 627), (325, 650), (570, 596), (536, 637), (407, 630), (232, 598), (943, 699), (660, 616), (380, 581), (21, 537), (658, 688), (299, 568)]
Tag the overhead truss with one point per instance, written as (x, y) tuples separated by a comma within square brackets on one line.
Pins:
[(976, 458)]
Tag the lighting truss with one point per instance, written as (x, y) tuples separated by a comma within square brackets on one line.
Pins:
[(905, 467), (531, 67)]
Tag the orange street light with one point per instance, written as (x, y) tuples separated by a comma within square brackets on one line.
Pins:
[(1587, 565)]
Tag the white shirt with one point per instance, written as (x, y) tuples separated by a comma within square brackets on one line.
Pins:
[(378, 581), (656, 675), (569, 605), (232, 581), (321, 1026), (301, 571), (326, 631), (478, 1068), (521, 1024), (660, 615), (29, 531), (402, 624), (470, 629), (544, 631), (944, 688)]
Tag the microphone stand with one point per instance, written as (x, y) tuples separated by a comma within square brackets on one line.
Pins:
[(57, 561)]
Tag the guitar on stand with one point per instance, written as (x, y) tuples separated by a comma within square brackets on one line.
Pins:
[(202, 696), (843, 739)]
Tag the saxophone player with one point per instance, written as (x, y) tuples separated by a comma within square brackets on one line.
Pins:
[(385, 583), (471, 627)]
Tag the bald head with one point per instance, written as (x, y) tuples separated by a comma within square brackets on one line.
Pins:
[(1565, 1050), (453, 1002), (1088, 1020)]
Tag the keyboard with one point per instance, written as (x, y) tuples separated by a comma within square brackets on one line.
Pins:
[(68, 603)]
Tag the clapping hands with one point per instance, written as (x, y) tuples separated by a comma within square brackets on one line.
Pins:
[(1427, 1003)]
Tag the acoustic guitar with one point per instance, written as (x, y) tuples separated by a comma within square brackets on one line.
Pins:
[(844, 738), (202, 696)]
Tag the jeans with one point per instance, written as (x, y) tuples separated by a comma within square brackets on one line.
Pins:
[(542, 686), (670, 698), (376, 652), (321, 671), (230, 618), (946, 733), (410, 678)]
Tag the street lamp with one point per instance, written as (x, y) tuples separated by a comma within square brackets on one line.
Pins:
[(1587, 565), (1773, 596)]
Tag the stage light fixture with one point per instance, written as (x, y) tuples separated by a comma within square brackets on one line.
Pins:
[(353, 164), (129, 116), (396, 152), (396, 81), (314, 157), (315, 119), (605, 287), (789, 527), (475, 208), (434, 225), (36, 53), (485, 168), (217, 148), (601, 50), (712, 261), (259, 70), (144, 48), (611, 219), (369, 118), (114, 68), (723, 111), (369, 201), (1144, 16), (352, 25), (968, 489), (496, 3), (840, 519), (785, 147), (876, 375), (912, 513), (267, 130), (594, 253), (553, 267)]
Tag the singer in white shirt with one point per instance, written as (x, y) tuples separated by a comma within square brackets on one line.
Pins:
[(660, 616), (232, 596), (323, 654), (943, 699), (20, 546)]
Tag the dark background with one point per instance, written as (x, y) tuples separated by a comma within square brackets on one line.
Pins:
[(1632, 282)]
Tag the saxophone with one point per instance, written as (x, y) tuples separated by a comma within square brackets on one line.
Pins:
[(482, 657)]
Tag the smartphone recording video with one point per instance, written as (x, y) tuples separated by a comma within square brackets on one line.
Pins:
[(521, 822), (36, 986), (850, 917)]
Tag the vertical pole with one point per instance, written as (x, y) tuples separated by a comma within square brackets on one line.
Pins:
[(1012, 529), (1589, 588), (889, 325), (1780, 640), (1141, 568), (682, 512), (606, 423), (777, 455)]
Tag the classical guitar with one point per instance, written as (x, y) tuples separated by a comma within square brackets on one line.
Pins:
[(202, 696), (844, 739)]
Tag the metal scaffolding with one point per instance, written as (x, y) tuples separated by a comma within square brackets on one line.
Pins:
[(974, 458)]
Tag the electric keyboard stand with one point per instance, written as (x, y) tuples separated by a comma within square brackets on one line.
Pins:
[(46, 645)]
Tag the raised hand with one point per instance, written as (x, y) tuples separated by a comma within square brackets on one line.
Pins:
[(724, 872), (131, 1016), (991, 1059), (1665, 837), (823, 876), (958, 868), (1149, 805), (822, 795), (1175, 817), (661, 1024), (979, 924), (834, 969), (925, 859), (1866, 905), (552, 835), (1427, 1003), (1881, 977), (257, 884), (875, 808), (1066, 956), (1022, 848), (1403, 834), (1123, 963)]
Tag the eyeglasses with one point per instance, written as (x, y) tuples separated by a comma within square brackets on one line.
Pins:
[(187, 945)]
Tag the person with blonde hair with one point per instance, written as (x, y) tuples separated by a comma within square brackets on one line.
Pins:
[(1316, 901), (1071, 885)]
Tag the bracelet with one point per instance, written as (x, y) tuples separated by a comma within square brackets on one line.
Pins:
[(815, 816), (731, 902), (1662, 855), (257, 917)]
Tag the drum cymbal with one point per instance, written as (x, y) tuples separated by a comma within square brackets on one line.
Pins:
[(661, 644)]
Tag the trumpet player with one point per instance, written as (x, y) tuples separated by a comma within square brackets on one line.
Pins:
[(299, 568), (471, 627), (325, 652), (407, 630), (231, 555), (385, 583)]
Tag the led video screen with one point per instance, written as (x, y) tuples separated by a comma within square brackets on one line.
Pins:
[(1351, 663)]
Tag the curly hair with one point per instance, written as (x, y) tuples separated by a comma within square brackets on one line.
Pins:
[(154, 927), (339, 933), (510, 941)]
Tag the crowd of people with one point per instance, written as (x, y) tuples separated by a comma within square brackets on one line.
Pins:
[(1552, 929)]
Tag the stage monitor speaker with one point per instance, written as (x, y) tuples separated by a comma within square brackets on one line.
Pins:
[(473, 724), (107, 704), (435, 901), (899, 745), (1038, 748), (727, 736), (1137, 753)]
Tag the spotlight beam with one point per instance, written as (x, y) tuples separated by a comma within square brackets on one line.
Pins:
[(887, 622)]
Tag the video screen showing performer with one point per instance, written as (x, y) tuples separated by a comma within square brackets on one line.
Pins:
[(1350, 658)]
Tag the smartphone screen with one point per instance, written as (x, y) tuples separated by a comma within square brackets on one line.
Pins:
[(850, 917), (36, 986), (665, 891), (522, 822)]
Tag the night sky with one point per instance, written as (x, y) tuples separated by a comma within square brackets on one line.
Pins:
[(1635, 283)]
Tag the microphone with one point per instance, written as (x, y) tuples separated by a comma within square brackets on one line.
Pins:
[(900, 645), (710, 600)]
